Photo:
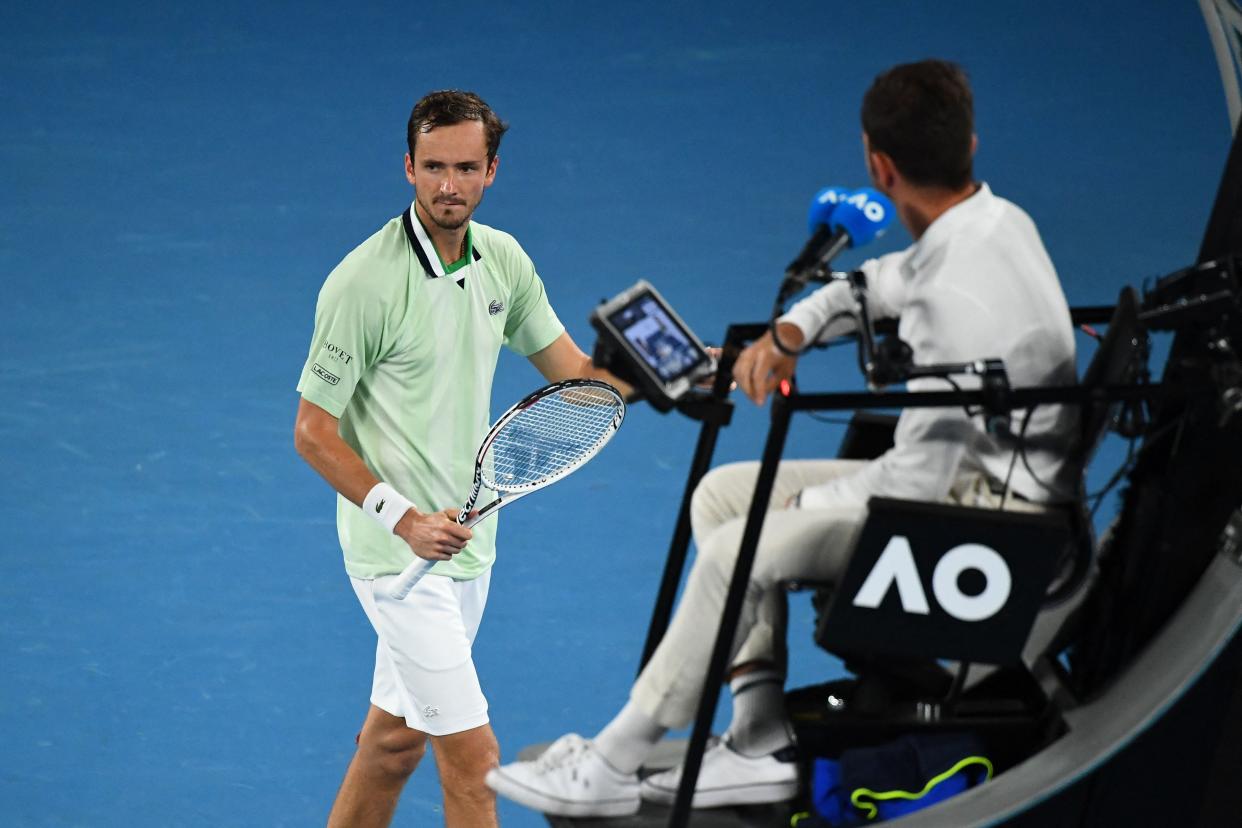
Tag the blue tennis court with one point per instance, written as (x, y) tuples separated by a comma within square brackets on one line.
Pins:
[(179, 645)]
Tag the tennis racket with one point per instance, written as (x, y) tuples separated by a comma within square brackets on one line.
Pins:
[(541, 439)]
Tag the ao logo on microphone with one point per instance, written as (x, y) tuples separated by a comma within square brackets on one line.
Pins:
[(896, 567), (872, 208), (831, 195)]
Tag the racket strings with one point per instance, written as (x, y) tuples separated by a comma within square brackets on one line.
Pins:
[(552, 436)]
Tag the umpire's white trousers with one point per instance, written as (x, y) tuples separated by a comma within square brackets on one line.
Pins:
[(795, 544)]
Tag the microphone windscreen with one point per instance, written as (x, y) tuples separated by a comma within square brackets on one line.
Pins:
[(822, 207), (864, 214)]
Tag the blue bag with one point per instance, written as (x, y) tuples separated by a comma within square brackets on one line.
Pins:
[(891, 780)]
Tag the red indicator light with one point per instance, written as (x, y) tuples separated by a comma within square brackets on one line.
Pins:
[(786, 388)]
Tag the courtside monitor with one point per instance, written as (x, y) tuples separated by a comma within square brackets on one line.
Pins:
[(651, 343)]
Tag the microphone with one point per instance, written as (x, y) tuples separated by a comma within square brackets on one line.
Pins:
[(841, 220), (823, 205)]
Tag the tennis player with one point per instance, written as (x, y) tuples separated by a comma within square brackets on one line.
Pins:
[(395, 398), (977, 282)]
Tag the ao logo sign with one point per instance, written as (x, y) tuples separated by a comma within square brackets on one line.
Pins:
[(873, 210), (896, 566)]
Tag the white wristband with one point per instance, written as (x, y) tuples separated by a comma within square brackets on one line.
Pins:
[(386, 505)]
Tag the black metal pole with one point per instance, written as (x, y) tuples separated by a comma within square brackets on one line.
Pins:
[(680, 545), (775, 446), (736, 336)]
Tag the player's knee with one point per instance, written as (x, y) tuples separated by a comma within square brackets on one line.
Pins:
[(401, 762), (398, 753)]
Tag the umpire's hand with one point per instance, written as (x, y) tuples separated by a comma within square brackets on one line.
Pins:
[(761, 367)]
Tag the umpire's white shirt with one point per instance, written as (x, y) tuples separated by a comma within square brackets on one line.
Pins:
[(977, 285)]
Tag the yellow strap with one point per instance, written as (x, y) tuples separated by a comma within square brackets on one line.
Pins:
[(798, 817), (871, 810)]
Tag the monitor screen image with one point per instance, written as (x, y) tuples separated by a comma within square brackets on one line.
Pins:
[(659, 340)]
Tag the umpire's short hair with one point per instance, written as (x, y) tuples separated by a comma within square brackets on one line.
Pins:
[(922, 116), (452, 106)]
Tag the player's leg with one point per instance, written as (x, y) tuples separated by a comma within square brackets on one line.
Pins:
[(450, 702), (425, 679), (463, 760), (388, 752)]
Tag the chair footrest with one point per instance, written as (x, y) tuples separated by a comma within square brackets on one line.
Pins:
[(828, 719)]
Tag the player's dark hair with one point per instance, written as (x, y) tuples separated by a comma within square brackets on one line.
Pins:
[(922, 116), (452, 106)]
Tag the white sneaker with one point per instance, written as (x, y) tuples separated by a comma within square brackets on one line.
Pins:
[(570, 778), (726, 777)]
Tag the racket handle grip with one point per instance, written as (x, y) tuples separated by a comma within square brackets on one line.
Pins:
[(409, 577), (487, 511)]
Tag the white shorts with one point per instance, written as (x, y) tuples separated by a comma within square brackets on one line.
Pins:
[(423, 669)]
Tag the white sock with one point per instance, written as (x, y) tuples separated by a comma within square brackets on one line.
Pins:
[(759, 726), (627, 740)]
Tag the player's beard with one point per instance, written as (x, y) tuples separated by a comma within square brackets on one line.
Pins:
[(450, 224)]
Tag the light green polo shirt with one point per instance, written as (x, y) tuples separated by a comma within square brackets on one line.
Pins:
[(404, 352)]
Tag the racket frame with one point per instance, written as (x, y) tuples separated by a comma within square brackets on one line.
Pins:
[(419, 567)]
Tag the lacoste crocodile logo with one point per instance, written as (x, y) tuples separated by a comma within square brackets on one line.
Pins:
[(495, 307), (430, 712), (379, 507)]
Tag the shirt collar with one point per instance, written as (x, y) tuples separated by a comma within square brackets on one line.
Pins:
[(963, 214), (426, 252)]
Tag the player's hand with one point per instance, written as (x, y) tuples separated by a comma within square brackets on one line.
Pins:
[(433, 536), (761, 367)]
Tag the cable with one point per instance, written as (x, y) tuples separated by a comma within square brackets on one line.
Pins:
[(958, 389), (815, 341), (1026, 463), (1013, 461), (1122, 470), (1128, 464)]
